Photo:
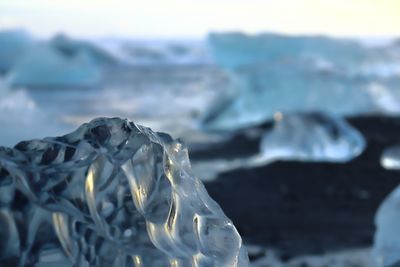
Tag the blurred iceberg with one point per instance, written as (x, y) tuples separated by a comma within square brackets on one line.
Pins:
[(44, 66), (232, 50), (72, 48), (157, 52), (273, 73), (390, 158), (13, 44), (386, 251), (21, 118), (311, 137)]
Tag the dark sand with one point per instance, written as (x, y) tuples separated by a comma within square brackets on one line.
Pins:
[(307, 208)]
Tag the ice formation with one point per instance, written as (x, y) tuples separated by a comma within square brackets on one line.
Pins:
[(386, 251), (70, 48), (311, 137), (22, 118), (273, 73), (45, 66), (117, 194), (232, 50), (13, 45), (390, 158)]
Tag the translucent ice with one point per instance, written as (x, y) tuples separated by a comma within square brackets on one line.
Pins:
[(390, 158), (45, 66), (117, 194), (71, 47), (22, 118), (264, 89), (386, 251), (232, 50), (13, 44), (275, 73), (311, 137)]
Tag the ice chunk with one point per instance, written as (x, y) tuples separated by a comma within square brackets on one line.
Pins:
[(21, 118), (44, 66), (13, 44), (71, 47), (232, 50), (274, 73), (390, 158), (386, 251), (264, 89), (120, 195), (311, 137)]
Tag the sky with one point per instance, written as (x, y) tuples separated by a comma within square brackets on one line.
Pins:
[(195, 18)]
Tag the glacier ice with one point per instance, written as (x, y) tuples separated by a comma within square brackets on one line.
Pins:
[(390, 158), (14, 43), (264, 89), (71, 47), (386, 250), (311, 137), (273, 73), (22, 118), (45, 66), (117, 194), (232, 50)]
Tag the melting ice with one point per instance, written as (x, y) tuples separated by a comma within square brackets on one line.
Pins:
[(390, 158), (117, 194), (272, 73), (311, 137), (386, 249)]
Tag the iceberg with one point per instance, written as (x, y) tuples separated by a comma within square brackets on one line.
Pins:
[(14, 43), (311, 137), (390, 158), (22, 118), (274, 73), (232, 50), (386, 250), (117, 194), (44, 66), (71, 48), (264, 89)]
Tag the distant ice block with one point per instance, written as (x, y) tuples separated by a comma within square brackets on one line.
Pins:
[(13, 44), (71, 48), (232, 50), (276, 73), (386, 250), (44, 66), (264, 89), (117, 194), (390, 158), (311, 137), (21, 118)]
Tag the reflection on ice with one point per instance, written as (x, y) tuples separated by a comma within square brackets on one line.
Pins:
[(387, 240), (311, 137), (390, 158)]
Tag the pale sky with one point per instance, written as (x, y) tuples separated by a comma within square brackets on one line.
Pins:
[(195, 18)]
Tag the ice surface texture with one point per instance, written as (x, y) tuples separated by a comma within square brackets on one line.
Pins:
[(386, 249), (390, 158), (312, 136), (117, 194)]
